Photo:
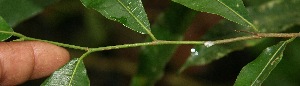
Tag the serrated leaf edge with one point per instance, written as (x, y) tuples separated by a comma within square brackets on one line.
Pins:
[(268, 63), (225, 17), (238, 15), (127, 9)]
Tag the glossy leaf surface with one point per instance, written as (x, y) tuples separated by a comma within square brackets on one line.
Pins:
[(130, 13), (255, 72), (281, 16), (287, 71), (15, 11), (4, 27), (72, 74), (170, 26), (233, 10)]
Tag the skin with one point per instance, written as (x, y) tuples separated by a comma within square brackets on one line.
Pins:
[(27, 60)]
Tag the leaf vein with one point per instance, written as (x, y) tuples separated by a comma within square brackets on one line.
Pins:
[(127, 9), (74, 71), (267, 64), (238, 15)]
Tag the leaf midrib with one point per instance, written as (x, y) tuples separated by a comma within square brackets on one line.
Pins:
[(267, 64), (127, 9), (238, 15), (73, 73)]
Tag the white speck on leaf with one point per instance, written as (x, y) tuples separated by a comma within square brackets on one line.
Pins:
[(194, 52), (208, 44)]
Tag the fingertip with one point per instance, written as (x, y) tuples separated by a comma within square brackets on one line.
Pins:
[(48, 58), (21, 61), (16, 62)]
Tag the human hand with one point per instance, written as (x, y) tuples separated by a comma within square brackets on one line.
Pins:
[(27, 60)]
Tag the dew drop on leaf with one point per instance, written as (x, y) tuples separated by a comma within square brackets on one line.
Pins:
[(194, 52)]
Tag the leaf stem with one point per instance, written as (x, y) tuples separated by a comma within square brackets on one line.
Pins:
[(85, 54), (77, 64), (160, 42), (22, 37), (151, 35)]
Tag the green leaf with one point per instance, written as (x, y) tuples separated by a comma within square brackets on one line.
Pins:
[(255, 72), (201, 55), (276, 15), (287, 71), (233, 10), (130, 13), (15, 11), (4, 27), (170, 26), (254, 2), (206, 55), (283, 16), (72, 74)]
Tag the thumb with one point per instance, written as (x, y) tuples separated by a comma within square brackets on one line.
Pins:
[(22, 61)]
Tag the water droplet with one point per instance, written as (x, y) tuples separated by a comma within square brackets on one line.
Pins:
[(208, 43), (194, 52)]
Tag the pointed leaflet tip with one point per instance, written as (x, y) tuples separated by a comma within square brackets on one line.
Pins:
[(233, 10), (130, 13), (255, 72)]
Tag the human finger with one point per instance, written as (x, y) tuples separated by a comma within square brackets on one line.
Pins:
[(22, 61)]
